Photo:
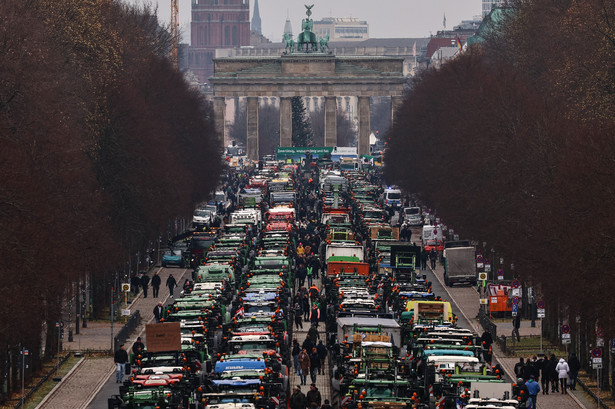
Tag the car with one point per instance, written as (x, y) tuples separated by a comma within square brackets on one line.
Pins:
[(412, 216), (202, 218), (173, 257), (438, 245)]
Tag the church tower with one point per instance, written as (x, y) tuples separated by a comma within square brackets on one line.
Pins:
[(216, 24), (256, 19)]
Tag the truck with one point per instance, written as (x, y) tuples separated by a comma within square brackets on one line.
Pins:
[(431, 233), (460, 266), (344, 249)]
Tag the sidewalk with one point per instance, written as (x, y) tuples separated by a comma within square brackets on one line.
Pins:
[(94, 373), (468, 301)]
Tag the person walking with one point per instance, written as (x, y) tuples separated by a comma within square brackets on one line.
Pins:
[(313, 397), (518, 368), (574, 365), (310, 277), (304, 366), (314, 315), (135, 284), (322, 354), (297, 399), (545, 375), (562, 370), (516, 325), (144, 284), (298, 311), (171, 283), (120, 358), (314, 364), (486, 341), (158, 311), (553, 374), (295, 352), (424, 257), (533, 388), (433, 256), (156, 284), (305, 304)]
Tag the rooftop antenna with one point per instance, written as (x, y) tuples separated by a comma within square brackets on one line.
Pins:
[(444, 21)]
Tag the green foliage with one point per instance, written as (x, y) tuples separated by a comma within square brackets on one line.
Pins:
[(302, 131)]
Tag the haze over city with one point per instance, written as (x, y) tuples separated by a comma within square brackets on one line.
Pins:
[(386, 18)]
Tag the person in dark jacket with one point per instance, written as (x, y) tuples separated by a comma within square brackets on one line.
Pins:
[(516, 325), (518, 366), (297, 399), (553, 374), (433, 256), (171, 283), (424, 257), (135, 284), (313, 397), (145, 284), (120, 358), (314, 315), (155, 285), (322, 354), (158, 312), (574, 365), (527, 370), (138, 346), (305, 304), (545, 375), (314, 364)]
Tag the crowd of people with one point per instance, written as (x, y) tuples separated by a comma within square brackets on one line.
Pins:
[(547, 373)]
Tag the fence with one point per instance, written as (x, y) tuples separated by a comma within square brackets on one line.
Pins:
[(486, 322), (126, 330), (42, 381)]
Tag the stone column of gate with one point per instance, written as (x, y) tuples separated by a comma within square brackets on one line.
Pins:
[(363, 125), (252, 125), (396, 102), (330, 121), (286, 122), (219, 111)]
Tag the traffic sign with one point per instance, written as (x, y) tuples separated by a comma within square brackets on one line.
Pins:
[(484, 301), (516, 284), (515, 308), (540, 304), (597, 353), (126, 287), (515, 300), (540, 313), (500, 274), (487, 266), (599, 333), (482, 276), (479, 259), (565, 329), (566, 339)]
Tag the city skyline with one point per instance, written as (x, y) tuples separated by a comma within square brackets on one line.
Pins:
[(394, 19)]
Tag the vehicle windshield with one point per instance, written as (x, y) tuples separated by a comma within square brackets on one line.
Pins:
[(201, 243), (202, 213), (393, 195), (412, 210), (260, 308)]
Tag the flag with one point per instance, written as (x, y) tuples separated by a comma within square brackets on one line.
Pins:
[(458, 42), (240, 312), (414, 49), (444, 21)]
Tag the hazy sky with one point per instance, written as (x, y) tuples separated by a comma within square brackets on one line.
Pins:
[(386, 18)]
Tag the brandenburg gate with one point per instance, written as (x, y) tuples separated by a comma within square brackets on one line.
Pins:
[(309, 71)]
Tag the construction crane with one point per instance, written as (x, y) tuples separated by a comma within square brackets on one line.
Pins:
[(174, 33)]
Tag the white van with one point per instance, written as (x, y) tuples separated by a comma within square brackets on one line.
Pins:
[(413, 216), (391, 197), (431, 233)]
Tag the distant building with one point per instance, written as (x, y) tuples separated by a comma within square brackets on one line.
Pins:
[(490, 4), (256, 19), (342, 29), (216, 24), (288, 28)]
